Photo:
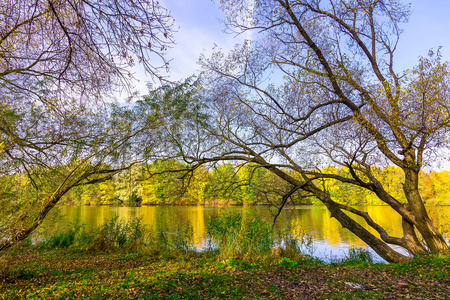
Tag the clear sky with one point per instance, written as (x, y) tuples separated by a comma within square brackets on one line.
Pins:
[(199, 29)]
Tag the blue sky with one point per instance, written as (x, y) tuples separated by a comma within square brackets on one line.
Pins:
[(199, 29), (428, 27)]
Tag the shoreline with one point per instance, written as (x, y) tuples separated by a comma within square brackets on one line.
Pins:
[(76, 274)]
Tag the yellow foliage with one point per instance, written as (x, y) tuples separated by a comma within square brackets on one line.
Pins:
[(107, 192), (149, 193), (197, 184)]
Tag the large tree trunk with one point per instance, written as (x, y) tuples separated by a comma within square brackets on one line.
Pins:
[(412, 243), (377, 244), (26, 229), (381, 245), (431, 235)]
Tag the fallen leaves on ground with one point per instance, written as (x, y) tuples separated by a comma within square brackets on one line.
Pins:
[(61, 274)]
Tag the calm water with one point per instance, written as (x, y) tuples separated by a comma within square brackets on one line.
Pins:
[(331, 241)]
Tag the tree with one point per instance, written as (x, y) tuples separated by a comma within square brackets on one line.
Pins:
[(128, 187), (163, 184), (441, 187), (196, 185), (224, 185), (316, 86), (107, 192), (259, 186), (61, 63)]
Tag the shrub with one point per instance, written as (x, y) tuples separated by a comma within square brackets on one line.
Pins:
[(66, 238), (237, 236), (113, 234), (183, 240), (357, 256)]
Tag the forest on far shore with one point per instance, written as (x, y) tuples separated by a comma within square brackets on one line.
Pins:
[(226, 184)]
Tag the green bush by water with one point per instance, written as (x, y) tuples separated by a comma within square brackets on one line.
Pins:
[(236, 235), (117, 234), (121, 234), (66, 238), (113, 234), (357, 256), (231, 236)]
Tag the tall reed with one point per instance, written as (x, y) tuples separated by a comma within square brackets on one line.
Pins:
[(230, 235), (236, 235)]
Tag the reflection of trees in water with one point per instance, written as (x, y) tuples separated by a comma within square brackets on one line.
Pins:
[(312, 220)]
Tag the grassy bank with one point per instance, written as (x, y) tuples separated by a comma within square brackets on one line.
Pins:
[(68, 273), (124, 261)]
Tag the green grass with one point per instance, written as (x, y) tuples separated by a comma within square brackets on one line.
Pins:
[(42, 273), (357, 256), (125, 261)]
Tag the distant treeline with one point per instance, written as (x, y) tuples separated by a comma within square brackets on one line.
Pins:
[(226, 184)]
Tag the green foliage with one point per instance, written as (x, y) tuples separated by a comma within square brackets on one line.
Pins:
[(118, 234), (288, 262), (113, 234), (158, 183), (169, 244), (66, 238), (260, 186), (357, 256), (225, 184), (236, 235), (294, 247), (245, 185), (126, 187), (164, 185)]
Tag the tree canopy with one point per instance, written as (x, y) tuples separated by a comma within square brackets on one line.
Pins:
[(317, 86), (313, 97), (62, 63)]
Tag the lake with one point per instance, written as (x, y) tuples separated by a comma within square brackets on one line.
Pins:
[(331, 241)]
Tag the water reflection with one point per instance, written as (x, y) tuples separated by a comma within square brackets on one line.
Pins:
[(331, 240)]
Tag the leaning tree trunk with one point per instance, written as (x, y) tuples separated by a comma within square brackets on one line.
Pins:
[(377, 244), (26, 229), (411, 241), (418, 218), (25, 224), (380, 245)]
